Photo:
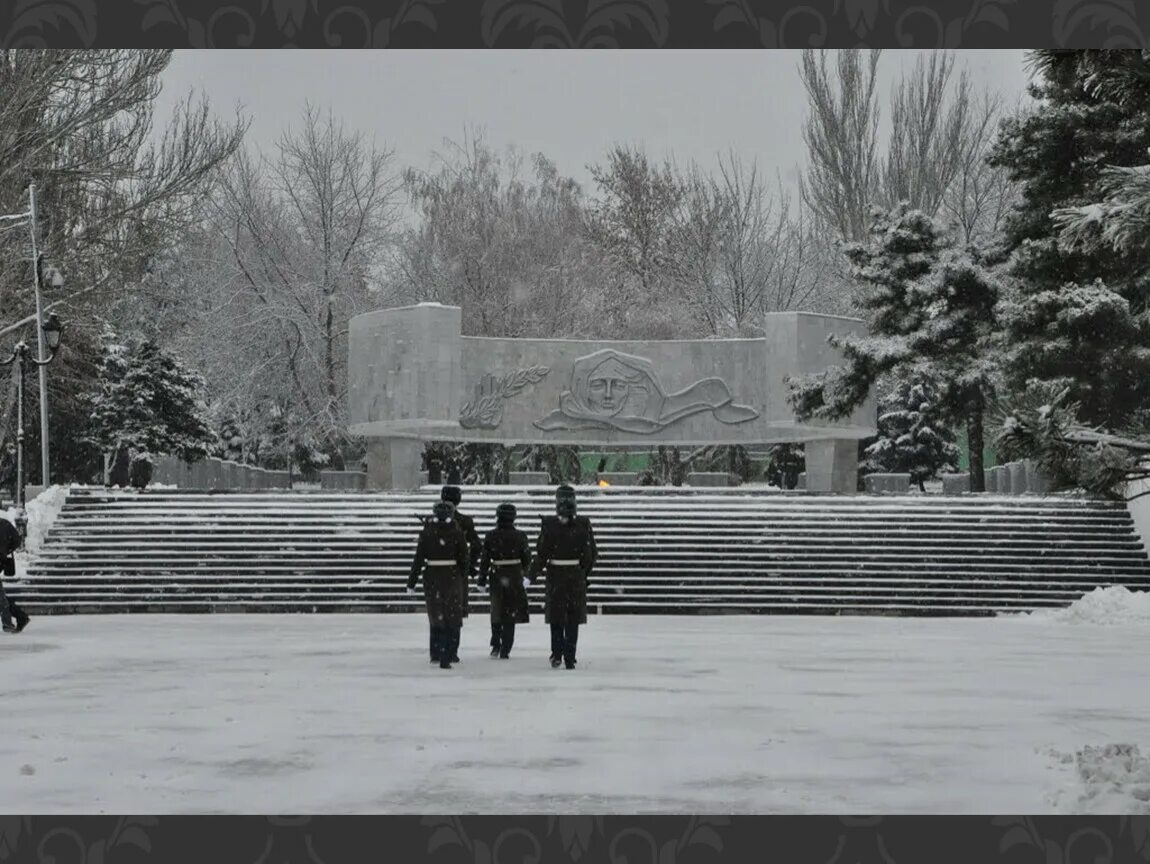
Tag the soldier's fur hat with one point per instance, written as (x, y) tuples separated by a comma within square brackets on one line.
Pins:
[(505, 513), (564, 491), (452, 494), (565, 507), (443, 511)]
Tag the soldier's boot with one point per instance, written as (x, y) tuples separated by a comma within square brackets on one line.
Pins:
[(570, 640), (495, 634), (507, 640), (452, 643), (21, 617), (556, 645)]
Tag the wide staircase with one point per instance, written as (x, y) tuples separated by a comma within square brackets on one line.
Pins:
[(661, 551)]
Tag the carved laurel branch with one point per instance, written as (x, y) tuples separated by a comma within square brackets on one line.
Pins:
[(485, 410)]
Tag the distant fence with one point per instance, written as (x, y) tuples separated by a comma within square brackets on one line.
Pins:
[(212, 473), (1013, 478)]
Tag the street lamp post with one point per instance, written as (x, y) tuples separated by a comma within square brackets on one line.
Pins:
[(21, 356)]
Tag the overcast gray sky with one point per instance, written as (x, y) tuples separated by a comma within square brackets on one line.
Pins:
[(570, 105)]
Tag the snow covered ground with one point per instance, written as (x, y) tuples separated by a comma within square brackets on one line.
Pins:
[(333, 714)]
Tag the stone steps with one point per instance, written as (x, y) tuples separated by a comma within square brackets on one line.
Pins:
[(661, 550)]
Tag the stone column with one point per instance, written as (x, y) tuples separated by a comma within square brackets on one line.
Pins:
[(405, 384), (955, 484), (832, 466), (394, 463), (1018, 478)]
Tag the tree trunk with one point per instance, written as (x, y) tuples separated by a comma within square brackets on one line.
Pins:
[(329, 353), (974, 443)]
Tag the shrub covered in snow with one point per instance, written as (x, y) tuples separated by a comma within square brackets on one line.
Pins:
[(930, 310), (148, 404), (912, 437)]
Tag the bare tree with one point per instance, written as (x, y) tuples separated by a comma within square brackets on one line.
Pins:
[(931, 130), (699, 225), (801, 271), (940, 134), (744, 250), (79, 123), (504, 244), (112, 193), (631, 221), (298, 238), (843, 178), (981, 195)]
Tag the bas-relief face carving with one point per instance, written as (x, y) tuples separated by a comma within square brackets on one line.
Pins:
[(613, 390), (611, 387)]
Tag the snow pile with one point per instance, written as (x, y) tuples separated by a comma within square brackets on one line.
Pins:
[(1112, 605), (1114, 778), (42, 512)]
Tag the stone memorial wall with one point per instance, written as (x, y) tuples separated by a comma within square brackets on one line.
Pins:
[(414, 377)]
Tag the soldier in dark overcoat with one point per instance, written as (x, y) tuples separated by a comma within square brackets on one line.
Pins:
[(503, 563), (454, 495), (440, 557), (566, 492), (10, 541), (564, 550)]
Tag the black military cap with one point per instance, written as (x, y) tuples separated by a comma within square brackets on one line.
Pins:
[(451, 493), (565, 491), (505, 513)]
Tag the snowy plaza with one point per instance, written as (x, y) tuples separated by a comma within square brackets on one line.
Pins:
[(788, 410), (732, 714)]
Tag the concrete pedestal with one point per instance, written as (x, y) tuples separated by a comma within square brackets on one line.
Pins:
[(394, 463), (955, 484), (529, 478), (832, 466), (1018, 484), (709, 478)]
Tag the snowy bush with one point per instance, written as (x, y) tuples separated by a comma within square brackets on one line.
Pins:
[(147, 404)]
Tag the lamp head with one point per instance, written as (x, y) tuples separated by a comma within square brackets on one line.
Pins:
[(52, 329)]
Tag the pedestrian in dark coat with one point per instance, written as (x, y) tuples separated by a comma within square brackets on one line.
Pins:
[(566, 492), (564, 551), (10, 541), (440, 557), (453, 495), (504, 562)]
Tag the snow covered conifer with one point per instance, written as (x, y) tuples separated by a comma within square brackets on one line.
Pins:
[(931, 316), (148, 404), (1077, 318), (912, 439)]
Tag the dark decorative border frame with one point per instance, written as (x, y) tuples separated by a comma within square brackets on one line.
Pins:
[(574, 839), (575, 23), (511, 839)]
